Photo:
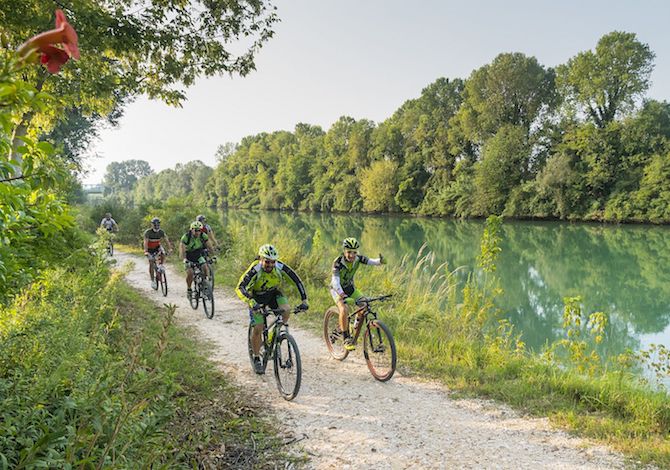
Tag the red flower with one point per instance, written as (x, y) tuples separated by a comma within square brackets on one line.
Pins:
[(54, 58), (44, 42)]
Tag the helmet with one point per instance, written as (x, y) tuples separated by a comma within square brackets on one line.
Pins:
[(108, 215), (155, 221), (350, 244), (201, 218), (196, 225), (268, 251)]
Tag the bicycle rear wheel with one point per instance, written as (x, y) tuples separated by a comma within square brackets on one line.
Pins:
[(379, 350), (208, 299), (287, 366), (332, 334)]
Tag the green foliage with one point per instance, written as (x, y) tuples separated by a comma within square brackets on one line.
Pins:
[(605, 83), (379, 186), (121, 177), (34, 219)]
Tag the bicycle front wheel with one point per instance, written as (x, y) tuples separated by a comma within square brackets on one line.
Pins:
[(287, 365), (110, 248), (163, 282), (379, 350), (195, 295), (208, 299), (332, 334)]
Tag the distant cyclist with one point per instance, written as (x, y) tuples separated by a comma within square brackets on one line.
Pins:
[(108, 223), (342, 287), (207, 230), (152, 246), (259, 285), (192, 249)]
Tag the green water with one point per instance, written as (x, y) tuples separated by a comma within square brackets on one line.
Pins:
[(620, 270)]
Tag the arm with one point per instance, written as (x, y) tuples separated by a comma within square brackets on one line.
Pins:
[(182, 250), (243, 284), (296, 280), (371, 261), (213, 238), (146, 244)]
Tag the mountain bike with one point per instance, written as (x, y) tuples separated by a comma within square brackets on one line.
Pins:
[(202, 290), (277, 344), (160, 279), (211, 260), (110, 243), (378, 344)]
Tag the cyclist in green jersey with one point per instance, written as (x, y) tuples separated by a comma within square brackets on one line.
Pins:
[(259, 285), (191, 248), (342, 287)]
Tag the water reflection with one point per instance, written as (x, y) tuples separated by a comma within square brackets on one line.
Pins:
[(621, 270)]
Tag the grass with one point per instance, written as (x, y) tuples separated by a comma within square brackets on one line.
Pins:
[(93, 375)]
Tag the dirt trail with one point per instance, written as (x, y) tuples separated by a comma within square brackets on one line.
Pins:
[(343, 418)]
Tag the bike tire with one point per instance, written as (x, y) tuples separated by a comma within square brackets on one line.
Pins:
[(287, 366), (195, 296), (156, 278), (110, 249), (261, 352), (163, 281), (332, 334), (379, 350), (208, 299)]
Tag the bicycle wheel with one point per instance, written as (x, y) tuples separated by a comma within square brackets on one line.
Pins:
[(156, 278), (379, 350), (208, 298), (195, 295), (287, 365), (332, 334), (163, 281), (110, 248), (251, 351)]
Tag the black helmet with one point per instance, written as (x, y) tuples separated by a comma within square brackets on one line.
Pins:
[(201, 218), (155, 221)]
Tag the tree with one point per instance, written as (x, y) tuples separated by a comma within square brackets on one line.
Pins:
[(379, 185), (504, 165), (605, 83), (135, 47), (122, 176), (513, 90)]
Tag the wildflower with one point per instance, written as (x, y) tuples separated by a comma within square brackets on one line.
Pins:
[(53, 57)]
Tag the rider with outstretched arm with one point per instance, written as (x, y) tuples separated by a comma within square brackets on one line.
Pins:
[(342, 287)]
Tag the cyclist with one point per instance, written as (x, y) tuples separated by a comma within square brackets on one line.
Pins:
[(259, 286), (191, 248), (152, 246), (109, 224), (342, 287), (207, 229)]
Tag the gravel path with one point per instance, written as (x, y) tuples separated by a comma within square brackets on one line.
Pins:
[(343, 418)]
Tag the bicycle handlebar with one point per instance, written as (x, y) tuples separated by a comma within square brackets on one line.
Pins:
[(266, 310), (369, 300)]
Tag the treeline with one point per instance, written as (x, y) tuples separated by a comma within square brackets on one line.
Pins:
[(578, 141)]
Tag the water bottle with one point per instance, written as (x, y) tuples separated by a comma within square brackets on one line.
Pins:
[(271, 334)]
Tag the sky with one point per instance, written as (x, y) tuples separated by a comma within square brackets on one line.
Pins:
[(364, 58)]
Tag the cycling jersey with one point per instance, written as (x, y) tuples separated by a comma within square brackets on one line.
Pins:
[(154, 238), (194, 243), (255, 283), (108, 224), (342, 281)]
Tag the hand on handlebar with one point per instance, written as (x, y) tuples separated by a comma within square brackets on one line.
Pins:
[(303, 306)]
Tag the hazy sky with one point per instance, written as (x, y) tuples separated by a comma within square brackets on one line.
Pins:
[(364, 58)]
